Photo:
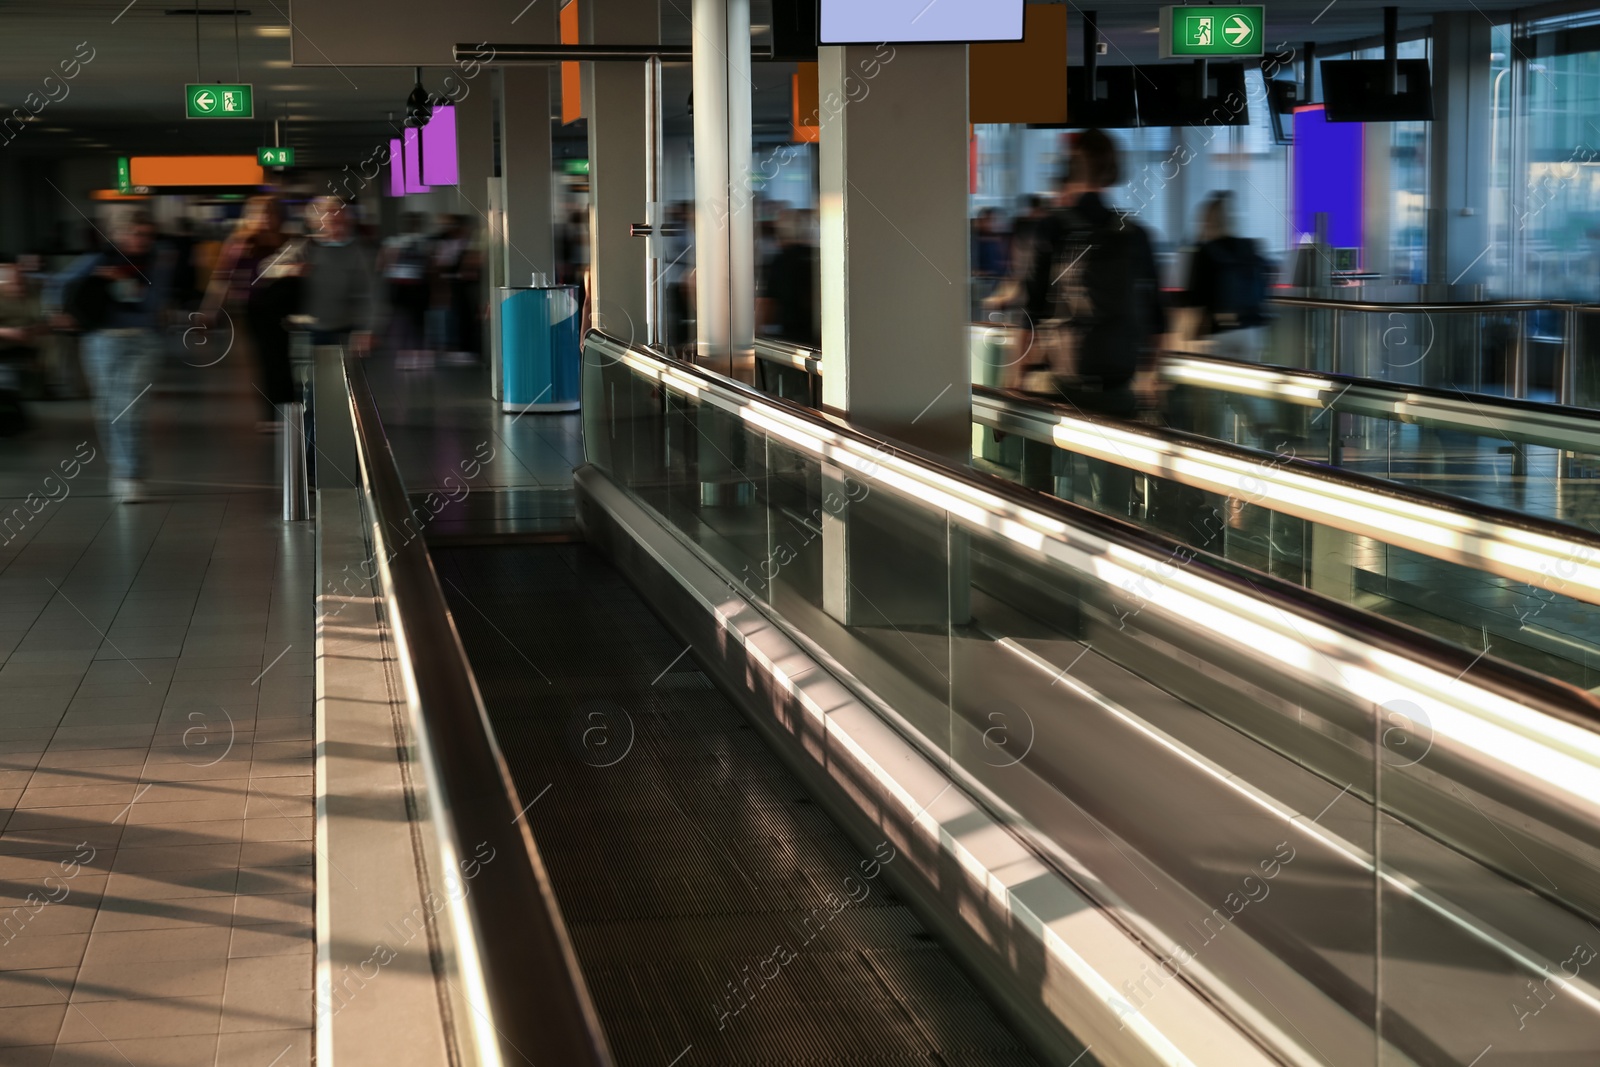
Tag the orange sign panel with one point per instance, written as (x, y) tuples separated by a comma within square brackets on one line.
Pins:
[(157, 171)]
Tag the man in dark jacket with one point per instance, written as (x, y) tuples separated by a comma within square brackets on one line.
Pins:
[(1094, 283)]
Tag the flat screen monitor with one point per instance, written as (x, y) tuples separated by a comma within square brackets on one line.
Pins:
[(1114, 107), (918, 21), (1356, 90), (794, 31), (1169, 95), (1283, 97)]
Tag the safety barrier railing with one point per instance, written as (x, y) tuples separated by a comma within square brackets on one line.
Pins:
[(1514, 348), (1359, 842), (527, 1001)]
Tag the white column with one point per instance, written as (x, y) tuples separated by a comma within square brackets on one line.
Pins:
[(615, 101), (526, 171), (895, 336), (724, 215), (894, 178)]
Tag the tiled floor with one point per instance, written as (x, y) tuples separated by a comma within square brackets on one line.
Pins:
[(156, 806)]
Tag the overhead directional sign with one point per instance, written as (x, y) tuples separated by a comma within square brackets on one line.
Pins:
[(219, 101), (124, 175), (275, 157), (1199, 32)]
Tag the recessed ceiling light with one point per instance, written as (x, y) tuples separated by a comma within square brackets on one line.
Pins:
[(272, 31), (277, 64), (292, 88)]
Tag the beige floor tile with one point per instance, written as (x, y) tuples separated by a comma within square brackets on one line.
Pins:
[(176, 857), (268, 1048), (266, 1008), (135, 979), (173, 885), (276, 853), (31, 1024), (272, 939), (27, 952), (168, 913), (275, 829), (197, 1051), (253, 910), (188, 944), (206, 832), (218, 804), (43, 986), (270, 972), (115, 1020)]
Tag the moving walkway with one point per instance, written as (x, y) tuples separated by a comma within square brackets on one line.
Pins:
[(1163, 807)]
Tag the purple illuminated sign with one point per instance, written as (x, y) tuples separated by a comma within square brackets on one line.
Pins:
[(411, 149), (439, 148), (397, 169)]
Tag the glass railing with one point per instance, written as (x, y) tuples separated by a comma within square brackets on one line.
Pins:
[(1483, 578), (1539, 459), (1362, 845)]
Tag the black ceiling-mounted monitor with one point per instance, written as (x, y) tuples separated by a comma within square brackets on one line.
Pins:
[(1170, 95), (1356, 90), (1115, 105), (1283, 97), (794, 31)]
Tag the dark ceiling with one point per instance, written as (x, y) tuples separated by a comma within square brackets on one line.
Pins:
[(128, 97)]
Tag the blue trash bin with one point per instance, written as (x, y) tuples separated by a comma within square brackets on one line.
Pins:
[(541, 340)]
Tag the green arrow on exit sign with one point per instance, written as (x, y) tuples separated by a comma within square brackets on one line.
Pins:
[(219, 101), (275, 157), (1200, 32)]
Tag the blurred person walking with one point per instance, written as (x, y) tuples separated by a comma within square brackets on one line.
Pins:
[(119, 306), (1228, 280), (254, 282), (404, 261), (466, 306), (792, 278), (1093, 293), (339, 279)]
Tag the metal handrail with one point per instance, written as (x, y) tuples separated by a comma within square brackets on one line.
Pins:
[(529, 1000), (1496, 540), (1442, 308), (1542, 693)]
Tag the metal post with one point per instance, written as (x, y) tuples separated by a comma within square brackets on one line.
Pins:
[(296, 493), (1567, 382), (1518, 385), (655, 216)]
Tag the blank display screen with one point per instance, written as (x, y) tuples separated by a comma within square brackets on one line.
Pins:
[(919, 21)]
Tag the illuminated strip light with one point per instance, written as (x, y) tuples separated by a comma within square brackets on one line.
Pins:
[(1479, 931), (1252, 625), (1432, 530), (1552, 430)]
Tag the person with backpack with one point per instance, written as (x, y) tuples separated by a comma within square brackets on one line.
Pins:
[(1228, 280), (119, 305), (1093, 295)]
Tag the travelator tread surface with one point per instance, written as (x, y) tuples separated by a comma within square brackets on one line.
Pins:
[(719, 917)]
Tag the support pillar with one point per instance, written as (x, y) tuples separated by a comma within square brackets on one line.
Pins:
[(615, 99), (895, 337), (1459, 178), (526, 170), (725, 267), (895, 245)]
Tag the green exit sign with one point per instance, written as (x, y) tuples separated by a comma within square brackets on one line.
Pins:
[(275, 157), (219, 101), (1198, 32), (124, 175)]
